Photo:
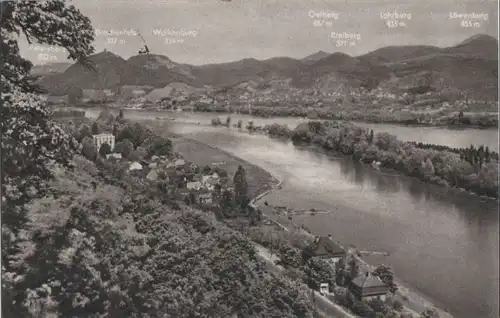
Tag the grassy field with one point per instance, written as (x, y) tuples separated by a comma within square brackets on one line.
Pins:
[(259, 180)]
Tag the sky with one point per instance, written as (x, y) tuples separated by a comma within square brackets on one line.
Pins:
[(217, 31)]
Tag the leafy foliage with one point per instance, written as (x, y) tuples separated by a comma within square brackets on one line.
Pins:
[(473, 169), (31, 143), (241, 187), (319, 271), (105, 149), (124, 147), (160, 147)]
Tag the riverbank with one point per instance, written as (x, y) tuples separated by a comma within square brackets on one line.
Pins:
[(202, 152), (483, 121), (413, 301)]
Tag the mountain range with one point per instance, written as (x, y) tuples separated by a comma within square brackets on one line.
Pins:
[(471, 65)]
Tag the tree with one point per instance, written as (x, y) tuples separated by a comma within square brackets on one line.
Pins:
[(241, 187), (31, 142), (124, 147), (216, 121), (95, 128), (85, 131), (319, 271), (160, 147), (362, 309), (207, 170), (121, 116), (105, 149), (30, 139), (88, 148), (386, 274), (226, 202)]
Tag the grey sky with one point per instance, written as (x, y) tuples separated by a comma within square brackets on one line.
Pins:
[(228, 31)]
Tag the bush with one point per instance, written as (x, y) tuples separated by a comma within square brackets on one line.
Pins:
[(319, 271), (362, 309), (160, 147), (216, 121), (105, 149), (124, 147), (290, 256), (88, 148)]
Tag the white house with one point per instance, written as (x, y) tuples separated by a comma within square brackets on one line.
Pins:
[(114, 155), (205, 179), (102, 139), (179, 162), (153, 165), (135, 166), (152, 175), (195, 185)]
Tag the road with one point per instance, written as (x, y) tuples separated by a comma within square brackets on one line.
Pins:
[(323, 304)]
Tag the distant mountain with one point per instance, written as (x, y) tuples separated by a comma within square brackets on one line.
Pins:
[(112, 71), (479, 46), (470, 65), (339, 67), (315, 57), (390, 54), (245, 70), (158, 71)]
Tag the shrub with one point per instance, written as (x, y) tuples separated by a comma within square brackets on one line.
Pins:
[(105, 149)]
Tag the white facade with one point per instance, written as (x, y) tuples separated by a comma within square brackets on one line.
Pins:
[(114, 155), (196, 185), (102, 139), (135, 166), (179, 162)]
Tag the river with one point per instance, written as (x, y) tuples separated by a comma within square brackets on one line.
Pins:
[(457, 137), (442, 243)]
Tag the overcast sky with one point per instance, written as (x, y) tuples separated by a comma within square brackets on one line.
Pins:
[(221, 31)]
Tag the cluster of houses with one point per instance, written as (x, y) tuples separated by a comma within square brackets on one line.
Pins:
[(364, 286), (186, 179)]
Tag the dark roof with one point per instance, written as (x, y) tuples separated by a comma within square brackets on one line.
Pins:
[(369, 280), (368, 285), (325, 247)]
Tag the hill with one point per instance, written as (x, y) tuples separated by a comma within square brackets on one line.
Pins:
[(158, 71), (111, 72), (315, 57), (470, 65), (390, 54), (339, 68), (479, 46)]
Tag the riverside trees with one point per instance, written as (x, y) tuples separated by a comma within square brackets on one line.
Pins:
[(475, 169), (241, 187)]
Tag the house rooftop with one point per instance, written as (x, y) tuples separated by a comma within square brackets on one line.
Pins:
[(367, 280), (325, 246)]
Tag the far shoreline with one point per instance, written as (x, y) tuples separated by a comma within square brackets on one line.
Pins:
[(215, 113)]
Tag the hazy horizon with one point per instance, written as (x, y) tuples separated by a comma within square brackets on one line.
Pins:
[(217, 31)]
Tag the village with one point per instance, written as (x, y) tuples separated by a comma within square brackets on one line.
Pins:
[(185, 180)]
